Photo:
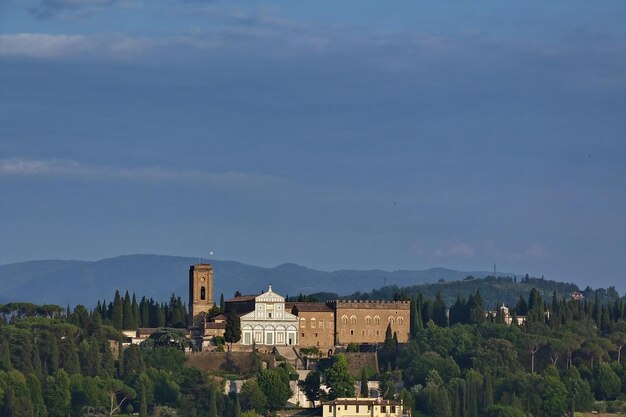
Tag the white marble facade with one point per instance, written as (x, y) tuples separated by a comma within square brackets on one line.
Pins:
[(269, 323)]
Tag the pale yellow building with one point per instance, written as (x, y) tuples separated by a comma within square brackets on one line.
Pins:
[(362, 407)]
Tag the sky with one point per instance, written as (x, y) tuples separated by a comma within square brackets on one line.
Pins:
[(336, 135)]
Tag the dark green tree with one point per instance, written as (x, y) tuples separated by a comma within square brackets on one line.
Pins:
[(232, 334), (311, 386), (338, 378)]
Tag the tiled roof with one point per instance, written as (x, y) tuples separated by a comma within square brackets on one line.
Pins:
[(312, 307), (241, 298), (362, 401)]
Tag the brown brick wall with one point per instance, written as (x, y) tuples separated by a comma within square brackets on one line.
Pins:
[(316, 328), (366, 321)]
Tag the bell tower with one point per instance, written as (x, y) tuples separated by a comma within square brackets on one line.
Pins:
[(200, 290)]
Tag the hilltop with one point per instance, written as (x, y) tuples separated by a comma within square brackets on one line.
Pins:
[(158, 276)]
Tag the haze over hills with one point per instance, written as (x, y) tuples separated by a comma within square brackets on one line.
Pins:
[(158, 276)]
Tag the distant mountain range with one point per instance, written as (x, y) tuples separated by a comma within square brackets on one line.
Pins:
[(157, 276)]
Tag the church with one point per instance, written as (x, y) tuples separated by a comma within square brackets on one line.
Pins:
[(267, 319)]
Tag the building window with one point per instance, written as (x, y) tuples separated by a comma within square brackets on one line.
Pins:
[(315, 334), (383, 408), (352, 332), (391, 321), (400, 321), (357, 408), (301, 334), (393, 409), (368, 320), (269, 315), (312, 323), (280, 338), (303, 322), (376, 320), (330, 408), (321, 324), (353, 320), (362, 332), (377, 332), (202, 293), (344, 320)]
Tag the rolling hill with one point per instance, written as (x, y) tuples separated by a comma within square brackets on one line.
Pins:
[(158, 276)]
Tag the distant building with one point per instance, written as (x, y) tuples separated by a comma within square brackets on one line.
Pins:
[(506, 315), (200, 291), (266, 319), (366, 407), (577, 295)]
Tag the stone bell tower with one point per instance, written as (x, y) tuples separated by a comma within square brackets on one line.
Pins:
[(200, 290)]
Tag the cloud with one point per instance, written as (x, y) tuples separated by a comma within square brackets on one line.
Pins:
[(45, 9), (18, 167), (534, 251), (43, 45), (447, 250)]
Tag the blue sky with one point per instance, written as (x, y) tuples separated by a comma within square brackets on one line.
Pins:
[(350, 134)]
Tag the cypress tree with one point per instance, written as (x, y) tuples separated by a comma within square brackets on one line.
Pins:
[(117, 311), (222, 303), (237, 408), (5, 355), (135, 312), (212, 403), (487, 393), (127, 313), (364, 390), (143, 408)]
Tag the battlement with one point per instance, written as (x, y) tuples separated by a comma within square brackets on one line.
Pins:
[(370, 304)]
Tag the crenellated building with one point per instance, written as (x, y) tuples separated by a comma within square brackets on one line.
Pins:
[(266, 319)]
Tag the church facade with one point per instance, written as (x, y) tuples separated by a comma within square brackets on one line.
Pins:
[(269, 323)]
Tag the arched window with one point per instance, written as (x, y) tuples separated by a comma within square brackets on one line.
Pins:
[(400, 321), (344, 320), (302, 322), (353, 320), (368, 320), (391, 320), (376, 320), (202, 293)]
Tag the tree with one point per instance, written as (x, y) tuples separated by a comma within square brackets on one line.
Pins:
[(275, 385), (619, 340), (232, 333), (56, 394), (339, 379), (127, 313), (212, 403), (532, 343), (252, 397), (117, 311), (606, 383), (364, 390), (311, 386), (579, 397), (554, 397)]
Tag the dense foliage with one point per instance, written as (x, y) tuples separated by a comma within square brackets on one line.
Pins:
[(467, 362), (461, 361)]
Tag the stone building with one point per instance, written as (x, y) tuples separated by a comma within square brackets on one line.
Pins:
[(267, 320), (316, 324), (367, 321), (366, 407), (200, 291)]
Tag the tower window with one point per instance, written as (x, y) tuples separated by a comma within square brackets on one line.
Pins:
[(202, 293)]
